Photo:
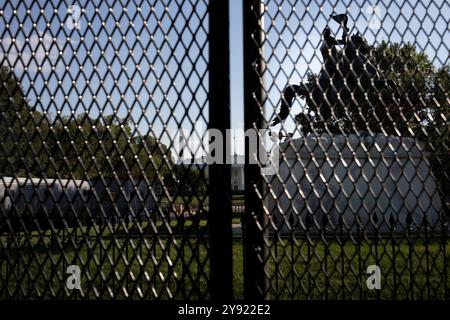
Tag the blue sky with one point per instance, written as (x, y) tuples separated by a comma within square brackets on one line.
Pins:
[(152, 65)]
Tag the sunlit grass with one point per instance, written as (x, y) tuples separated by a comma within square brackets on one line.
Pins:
[(176, 266)]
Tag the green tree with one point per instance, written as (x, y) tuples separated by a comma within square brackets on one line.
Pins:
[(88, 148), (376, 111), (187, 181), (80, 146), (160, 160), (22, 130), (423, 111)]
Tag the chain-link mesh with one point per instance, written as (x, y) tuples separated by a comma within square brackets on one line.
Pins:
[(359, 206), (90, 94)]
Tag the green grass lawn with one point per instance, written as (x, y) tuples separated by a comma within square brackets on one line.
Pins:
[(179, 268)]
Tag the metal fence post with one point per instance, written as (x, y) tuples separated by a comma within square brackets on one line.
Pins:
[(255, 250), (221, 271)]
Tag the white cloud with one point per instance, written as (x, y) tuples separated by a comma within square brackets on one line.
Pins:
[(40, 51)]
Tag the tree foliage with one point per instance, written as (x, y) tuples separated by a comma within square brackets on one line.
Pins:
[(21, 150), (423, 105), (76, 146)]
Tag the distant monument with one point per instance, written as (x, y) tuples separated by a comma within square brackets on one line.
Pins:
[(343, 74), (349, 182)]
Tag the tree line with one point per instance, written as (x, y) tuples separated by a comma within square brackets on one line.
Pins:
[(33, 144)]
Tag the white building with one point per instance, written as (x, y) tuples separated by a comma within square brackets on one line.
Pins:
[(237, 174), (376, 179)]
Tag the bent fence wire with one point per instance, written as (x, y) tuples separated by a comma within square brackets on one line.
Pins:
[(356, 96)]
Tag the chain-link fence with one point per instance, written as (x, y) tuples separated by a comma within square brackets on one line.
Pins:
[(98, 199), (90, 93), (359, 206)]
